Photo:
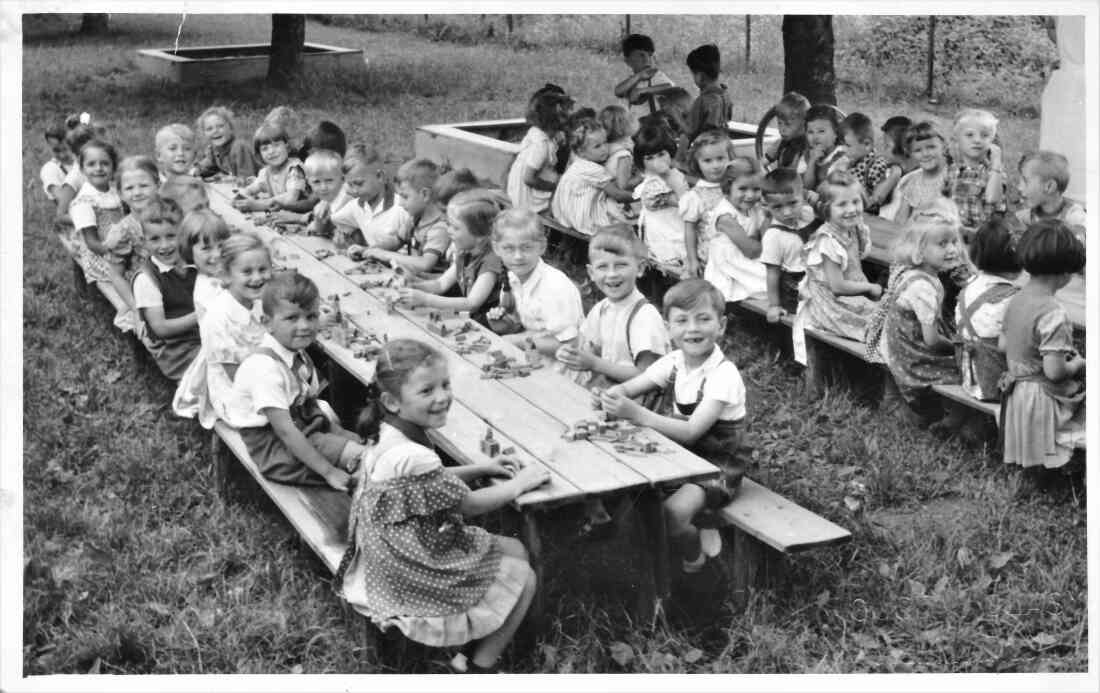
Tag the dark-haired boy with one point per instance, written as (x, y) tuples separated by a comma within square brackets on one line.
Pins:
[(712, 109), (638, 53), (276, 406), (782, 241), (876, 174)]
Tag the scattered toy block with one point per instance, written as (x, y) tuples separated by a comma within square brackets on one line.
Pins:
[(490, 447)]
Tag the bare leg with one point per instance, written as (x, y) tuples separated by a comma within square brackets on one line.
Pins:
[(680, 508), (488, 651)]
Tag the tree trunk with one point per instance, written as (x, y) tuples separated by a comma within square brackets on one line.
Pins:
[(94, 23), (288, 35), (808, 57)]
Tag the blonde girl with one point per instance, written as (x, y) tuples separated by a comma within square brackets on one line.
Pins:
[(201, 235), (224, 154), (710, 154), (138, 181), (476, 269), (230, 331), (907, 331), (416, 565)]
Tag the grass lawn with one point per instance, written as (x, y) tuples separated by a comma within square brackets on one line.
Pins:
[(134, 565)]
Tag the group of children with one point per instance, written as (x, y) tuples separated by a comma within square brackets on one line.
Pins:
[(790, 228)]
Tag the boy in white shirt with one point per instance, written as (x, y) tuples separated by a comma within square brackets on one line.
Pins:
[(370, 216), (548, 304), (276, 406)]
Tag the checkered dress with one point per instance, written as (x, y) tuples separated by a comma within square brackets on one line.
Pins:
[(965, 185)]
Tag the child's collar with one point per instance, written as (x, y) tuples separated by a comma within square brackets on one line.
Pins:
[(1039, 212), (413, 432), (430, 214)]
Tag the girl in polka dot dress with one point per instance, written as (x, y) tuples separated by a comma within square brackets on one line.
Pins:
[(414, 563)]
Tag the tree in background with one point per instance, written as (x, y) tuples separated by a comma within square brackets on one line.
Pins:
[(94, 23), (288, 37), (808, 57)]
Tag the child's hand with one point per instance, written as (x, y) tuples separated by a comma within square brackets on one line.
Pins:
[(244, 204), (284, 217), (575, 358), (411, 297), (505, 467), (338, 479), (774, 313), (531, 477), (648, 72), (874, 290), (615, 403), (996, 159), (495, 313), (1076, 366)]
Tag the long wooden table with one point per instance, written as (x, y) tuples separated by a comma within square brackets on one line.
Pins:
[(529, 414)]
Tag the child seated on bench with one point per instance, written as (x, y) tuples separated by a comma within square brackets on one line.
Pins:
[(225, 154), (281, 182), (1043, 410), (836, 296), (662, 186), (980, 310), (733, 228), (276, 387), (622, 335), (230, 331), (1044, 177), (710, 155), (201, 235), (415, 564), (876, 174), (907, 331), (370, 215), (790, 120), (325, 177), (138, 180), (533, 175), (587, 196), (782, 241), (423, 229), (164, 290), (547, 303), (175, 148), (703, 410), (476, 270)]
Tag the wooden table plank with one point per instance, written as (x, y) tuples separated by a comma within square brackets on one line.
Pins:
[(587, 470), (546, 389)]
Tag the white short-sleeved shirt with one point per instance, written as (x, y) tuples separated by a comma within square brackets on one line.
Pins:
[(75, 177), (1072, 214), (989, 319), (146, 292), (206, 288), (539, 152), (619, 151), (52, 174), (357, 214), (87, 201), (640, 110), (782, 248), (548, 301), (261, 383), (604, 330), (718, 376)]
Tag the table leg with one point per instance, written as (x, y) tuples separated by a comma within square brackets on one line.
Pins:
[(533, 542), (652, 541)]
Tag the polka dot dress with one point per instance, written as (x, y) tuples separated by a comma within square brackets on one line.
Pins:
[(417, 565)]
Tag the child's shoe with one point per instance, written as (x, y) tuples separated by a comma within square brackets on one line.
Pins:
[(694, 567), (710, 541)]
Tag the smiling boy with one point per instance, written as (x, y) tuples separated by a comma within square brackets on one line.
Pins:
[(276, 406)]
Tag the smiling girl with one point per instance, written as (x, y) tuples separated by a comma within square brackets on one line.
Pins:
[(201, 234), (282, 181), (922, 187), (230, 331), (163, 291)]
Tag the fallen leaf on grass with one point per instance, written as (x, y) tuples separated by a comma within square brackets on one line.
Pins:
[(693, 655), (846, 471), (916, 588), (884, 571), (296, 669), (853, 504), (932, 636), (622, 653), (1045, 640), (112, 376), (964, 557), (1000, 560), (158, 608)]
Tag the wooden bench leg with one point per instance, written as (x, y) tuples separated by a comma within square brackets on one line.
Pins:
[(367, 636), (221, 457), (814, 375), (749, 563), (79, 283), (651, 541), (531, 539)]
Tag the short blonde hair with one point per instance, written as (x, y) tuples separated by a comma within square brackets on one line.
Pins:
[(323, 160), (168, 132), (522, 220), (220, 111), (975, 115), (909, 248)]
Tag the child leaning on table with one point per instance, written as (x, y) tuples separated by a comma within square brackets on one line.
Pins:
[(276, 395), (704, 410), (164, 290), (325, 177), (370, 214), (423, 230), (548, 308), (415, 564), (476, 270)]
